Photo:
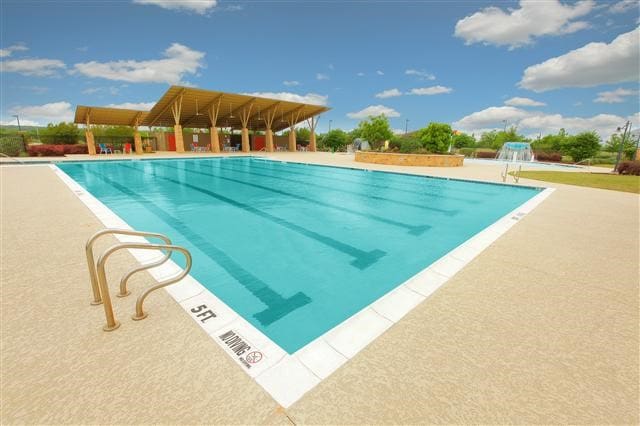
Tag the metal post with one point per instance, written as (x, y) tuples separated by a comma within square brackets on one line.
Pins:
[(620, 149)]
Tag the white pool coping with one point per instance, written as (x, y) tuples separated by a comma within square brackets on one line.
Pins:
[(288, 377)]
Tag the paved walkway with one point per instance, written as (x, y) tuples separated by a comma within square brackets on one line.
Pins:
[(542, 327)]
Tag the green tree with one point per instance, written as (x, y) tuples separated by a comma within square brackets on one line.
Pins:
[(335, 139), (436, 137), (375, 130), (303, 134), (551, 143), (61, 133), (613, 145), (582, 146), (463, 140)]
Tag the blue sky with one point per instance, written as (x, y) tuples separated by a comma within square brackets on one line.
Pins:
[(541, 65)]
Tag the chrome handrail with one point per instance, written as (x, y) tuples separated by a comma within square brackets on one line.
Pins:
[(112, 323), (516, 175), (506, 172), (91, 260)]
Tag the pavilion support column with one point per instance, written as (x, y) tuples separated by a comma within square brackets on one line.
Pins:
[(246, 147), (312, 122), (137, 141), (244, 119), (292, 139), (177, 131), (269, 140), (176, 110), (91, 145), (213, 111), (215, 140)]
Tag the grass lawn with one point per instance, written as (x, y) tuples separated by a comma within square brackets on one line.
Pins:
[(595, 180)]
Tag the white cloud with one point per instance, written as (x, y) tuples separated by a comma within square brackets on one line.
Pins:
[(321, 76), (587, 66), (179, 60), (42, 114), (423, 75), (518, 27), (374, 110), (528, 121), (623, 6), (379, 72), (7, 51), (33, 67), (360, 74), (428, 91), (309, 98), (615, 96), (291, 83), (523, 102), (388, 93), (331, 67), (140, 106), (198, 6)]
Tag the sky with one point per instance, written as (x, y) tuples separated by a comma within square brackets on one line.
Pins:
[(540, 65)]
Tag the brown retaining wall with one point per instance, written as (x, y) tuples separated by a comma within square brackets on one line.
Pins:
[(429, 160)]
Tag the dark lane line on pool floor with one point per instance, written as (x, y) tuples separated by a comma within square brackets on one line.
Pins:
[(362, 259), (381, 174), (464, 200), (277, 305), (346, 191), (413, 229)]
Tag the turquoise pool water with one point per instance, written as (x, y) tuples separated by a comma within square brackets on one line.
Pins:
[(297, 249)]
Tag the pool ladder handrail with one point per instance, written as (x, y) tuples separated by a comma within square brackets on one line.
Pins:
[(98, 274), (516, 175)]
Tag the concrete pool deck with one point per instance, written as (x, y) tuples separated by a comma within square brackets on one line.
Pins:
[(542, 327)]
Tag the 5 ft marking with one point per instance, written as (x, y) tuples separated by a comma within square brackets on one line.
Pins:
[(203, 313)]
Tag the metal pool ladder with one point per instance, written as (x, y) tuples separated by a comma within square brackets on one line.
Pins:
[(516, 175), (98, 277)]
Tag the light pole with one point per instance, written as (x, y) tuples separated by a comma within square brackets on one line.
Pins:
[(505, 126), (18, 118), (406, 125), (627, 126), (330, 125)]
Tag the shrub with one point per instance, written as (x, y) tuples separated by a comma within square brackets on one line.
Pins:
[(581, 146), (467, 152), (11, 145), (629, 168), (410, 145), (486, 154), (46, 150), (436, 137), (548, 156), (75, 149)]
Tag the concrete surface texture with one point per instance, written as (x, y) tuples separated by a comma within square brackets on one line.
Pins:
[(542, 327)]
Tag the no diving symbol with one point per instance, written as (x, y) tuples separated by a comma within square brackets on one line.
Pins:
[(253, 357)]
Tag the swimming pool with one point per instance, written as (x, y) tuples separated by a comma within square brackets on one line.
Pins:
[(297, 249)]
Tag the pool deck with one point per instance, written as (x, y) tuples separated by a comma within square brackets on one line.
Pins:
[(541, 327)]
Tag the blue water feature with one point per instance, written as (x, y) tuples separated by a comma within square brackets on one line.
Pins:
[(296, 249)]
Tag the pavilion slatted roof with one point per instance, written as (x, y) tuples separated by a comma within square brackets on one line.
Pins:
[(195, 106), (108, 116)]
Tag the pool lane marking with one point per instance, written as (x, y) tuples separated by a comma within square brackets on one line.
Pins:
[(393, 188), (362, 259), (377, 175), (413, 229), (277, 305), (346, 191)]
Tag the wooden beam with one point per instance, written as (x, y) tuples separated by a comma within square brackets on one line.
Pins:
[(136, 121), (237, 109), (205, 108), (292, 122), (273, 105), (180, 93), (244, 118), (176, 110)]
